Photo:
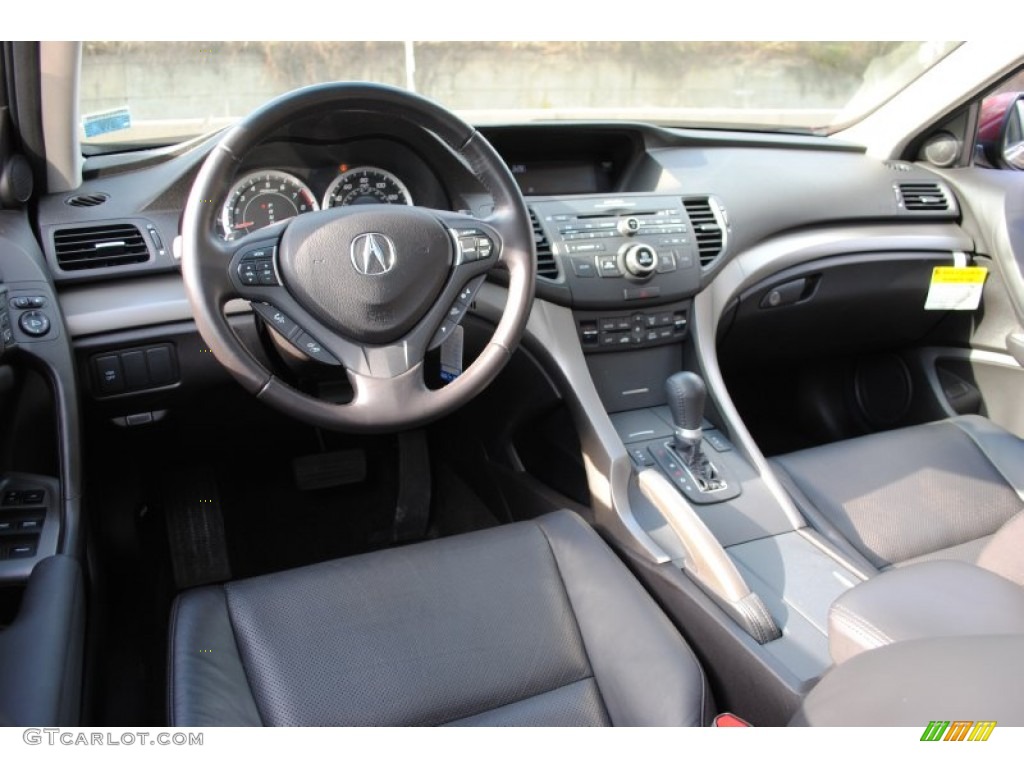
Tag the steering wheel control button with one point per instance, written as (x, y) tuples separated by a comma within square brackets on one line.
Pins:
[(474, 245), (34, 323), (314, 349), (443, 332), (276, 319), (257, 266), (247, 273)]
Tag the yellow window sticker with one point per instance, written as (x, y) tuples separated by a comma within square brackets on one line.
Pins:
[(956, 288)]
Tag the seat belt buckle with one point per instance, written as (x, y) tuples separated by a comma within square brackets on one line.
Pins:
[(729, 720)]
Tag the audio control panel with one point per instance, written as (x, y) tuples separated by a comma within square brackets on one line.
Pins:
[(622, 251)]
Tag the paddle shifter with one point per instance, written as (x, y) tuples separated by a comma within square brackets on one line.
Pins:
[(686, 393)]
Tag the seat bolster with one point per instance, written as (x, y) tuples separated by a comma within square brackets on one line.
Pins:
[(646, 673), (939, 598), (1002, 554), (913, 682), (1004, 450), (208, 684)]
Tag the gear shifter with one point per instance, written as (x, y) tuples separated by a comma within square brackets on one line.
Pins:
[(686, 394)]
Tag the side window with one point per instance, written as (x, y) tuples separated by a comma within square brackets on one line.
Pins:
[(999, 143)]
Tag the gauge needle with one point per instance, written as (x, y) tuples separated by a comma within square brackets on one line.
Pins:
[(243, 225)]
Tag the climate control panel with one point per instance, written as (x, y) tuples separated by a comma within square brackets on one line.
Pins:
[(608, 331)]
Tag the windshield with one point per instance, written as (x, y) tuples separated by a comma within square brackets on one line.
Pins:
[(163, 92)]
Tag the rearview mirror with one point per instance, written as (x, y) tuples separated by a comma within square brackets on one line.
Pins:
[(1001, 130)]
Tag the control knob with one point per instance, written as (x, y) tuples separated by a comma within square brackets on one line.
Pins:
[(640, 260), (629, 226)]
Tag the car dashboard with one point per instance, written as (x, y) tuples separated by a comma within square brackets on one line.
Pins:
[(652, 243)]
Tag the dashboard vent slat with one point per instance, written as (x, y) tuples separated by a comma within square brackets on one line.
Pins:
[(708, 229), (924, 196), (546, 264), (109, 245), (88, 201)]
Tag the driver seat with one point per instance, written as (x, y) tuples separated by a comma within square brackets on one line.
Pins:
[(534, 623)]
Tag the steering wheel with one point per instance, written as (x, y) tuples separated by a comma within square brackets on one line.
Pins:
[(371, 288)]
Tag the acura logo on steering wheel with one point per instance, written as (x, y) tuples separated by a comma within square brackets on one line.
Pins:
[(373, 253)]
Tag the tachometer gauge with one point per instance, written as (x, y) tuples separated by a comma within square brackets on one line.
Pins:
[(366, 185), (264, 198)]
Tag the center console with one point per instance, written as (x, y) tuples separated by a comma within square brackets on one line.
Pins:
[(694, 506)]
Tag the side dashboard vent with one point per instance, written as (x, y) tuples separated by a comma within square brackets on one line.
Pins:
[(708, 222), (88, 201), (546, 264), (110, 245), (924, 196)]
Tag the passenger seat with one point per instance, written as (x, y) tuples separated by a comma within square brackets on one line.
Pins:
[(949, 490)]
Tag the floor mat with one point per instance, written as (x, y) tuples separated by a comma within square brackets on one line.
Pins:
[(272, 525), (195, 527)]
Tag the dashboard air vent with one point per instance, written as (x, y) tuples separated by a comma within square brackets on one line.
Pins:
[(707, 229), (88, 201), (546, 264), (110, 245), (924, 196)]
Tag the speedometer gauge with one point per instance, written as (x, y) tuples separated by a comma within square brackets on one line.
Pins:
[(366, 185), (264, 198)]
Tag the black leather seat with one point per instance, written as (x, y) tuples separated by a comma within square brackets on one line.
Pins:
[(950, 490), (535, 623)]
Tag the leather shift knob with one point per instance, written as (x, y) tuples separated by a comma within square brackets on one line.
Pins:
[(686, 393)]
